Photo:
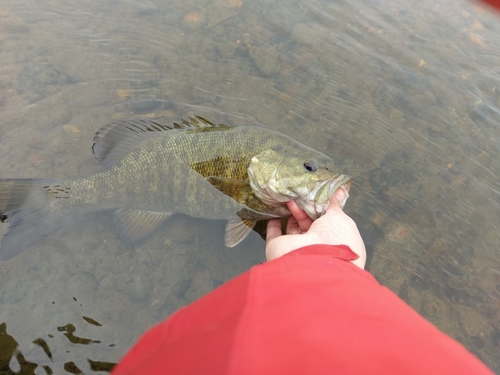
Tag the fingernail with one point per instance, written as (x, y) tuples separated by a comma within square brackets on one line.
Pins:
[(342, 204), (341, 194)]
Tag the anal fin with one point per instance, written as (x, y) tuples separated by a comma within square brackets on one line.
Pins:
[(136, 224), (237, 231)]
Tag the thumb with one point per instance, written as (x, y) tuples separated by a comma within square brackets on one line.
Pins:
[(339, 196)]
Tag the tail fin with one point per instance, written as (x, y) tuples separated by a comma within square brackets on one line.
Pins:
[(29, 206)]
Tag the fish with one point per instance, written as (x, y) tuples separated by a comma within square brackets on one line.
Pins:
[(195, 167)]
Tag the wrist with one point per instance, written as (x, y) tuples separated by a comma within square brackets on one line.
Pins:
[(286, 244)]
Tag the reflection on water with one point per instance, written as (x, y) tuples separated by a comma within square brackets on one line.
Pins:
[(12, 361), (405, 96)]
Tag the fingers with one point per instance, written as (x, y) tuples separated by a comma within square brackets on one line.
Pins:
[(292, 227), (303, 220), (337, 198), (273, 229)]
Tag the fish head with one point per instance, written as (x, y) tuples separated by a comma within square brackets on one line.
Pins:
[(306, 176)]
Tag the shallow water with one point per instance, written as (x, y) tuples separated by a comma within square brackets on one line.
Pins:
[(405, 96)]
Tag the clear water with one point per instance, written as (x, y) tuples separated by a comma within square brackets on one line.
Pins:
[(404, 95)]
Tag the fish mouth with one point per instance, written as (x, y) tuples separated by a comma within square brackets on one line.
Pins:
[(323, 192)]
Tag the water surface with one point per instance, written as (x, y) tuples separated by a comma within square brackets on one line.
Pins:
[(405, 96)]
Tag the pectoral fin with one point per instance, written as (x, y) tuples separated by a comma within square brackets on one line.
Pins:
[(135, 225), (237, 231)]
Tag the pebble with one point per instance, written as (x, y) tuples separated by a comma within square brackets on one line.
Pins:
[(71, 128), (193, 21), (265, 59)]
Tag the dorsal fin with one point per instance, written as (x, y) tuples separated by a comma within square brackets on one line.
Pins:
[(196, 122), (200, 124), (116, 139)]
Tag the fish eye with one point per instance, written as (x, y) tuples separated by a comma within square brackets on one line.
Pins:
[(311, 165)]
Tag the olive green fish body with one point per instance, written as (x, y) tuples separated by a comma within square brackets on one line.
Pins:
[(153, 170)]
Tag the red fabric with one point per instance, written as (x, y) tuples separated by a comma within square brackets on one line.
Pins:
[(494, 3), (308, 312)]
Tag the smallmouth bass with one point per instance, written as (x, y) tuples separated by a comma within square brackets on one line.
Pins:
[(213, 171)]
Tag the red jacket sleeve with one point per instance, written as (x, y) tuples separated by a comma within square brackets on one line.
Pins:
[(493, 3), (308, 312)]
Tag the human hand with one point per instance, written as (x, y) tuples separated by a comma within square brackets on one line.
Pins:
[(335, 227)]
